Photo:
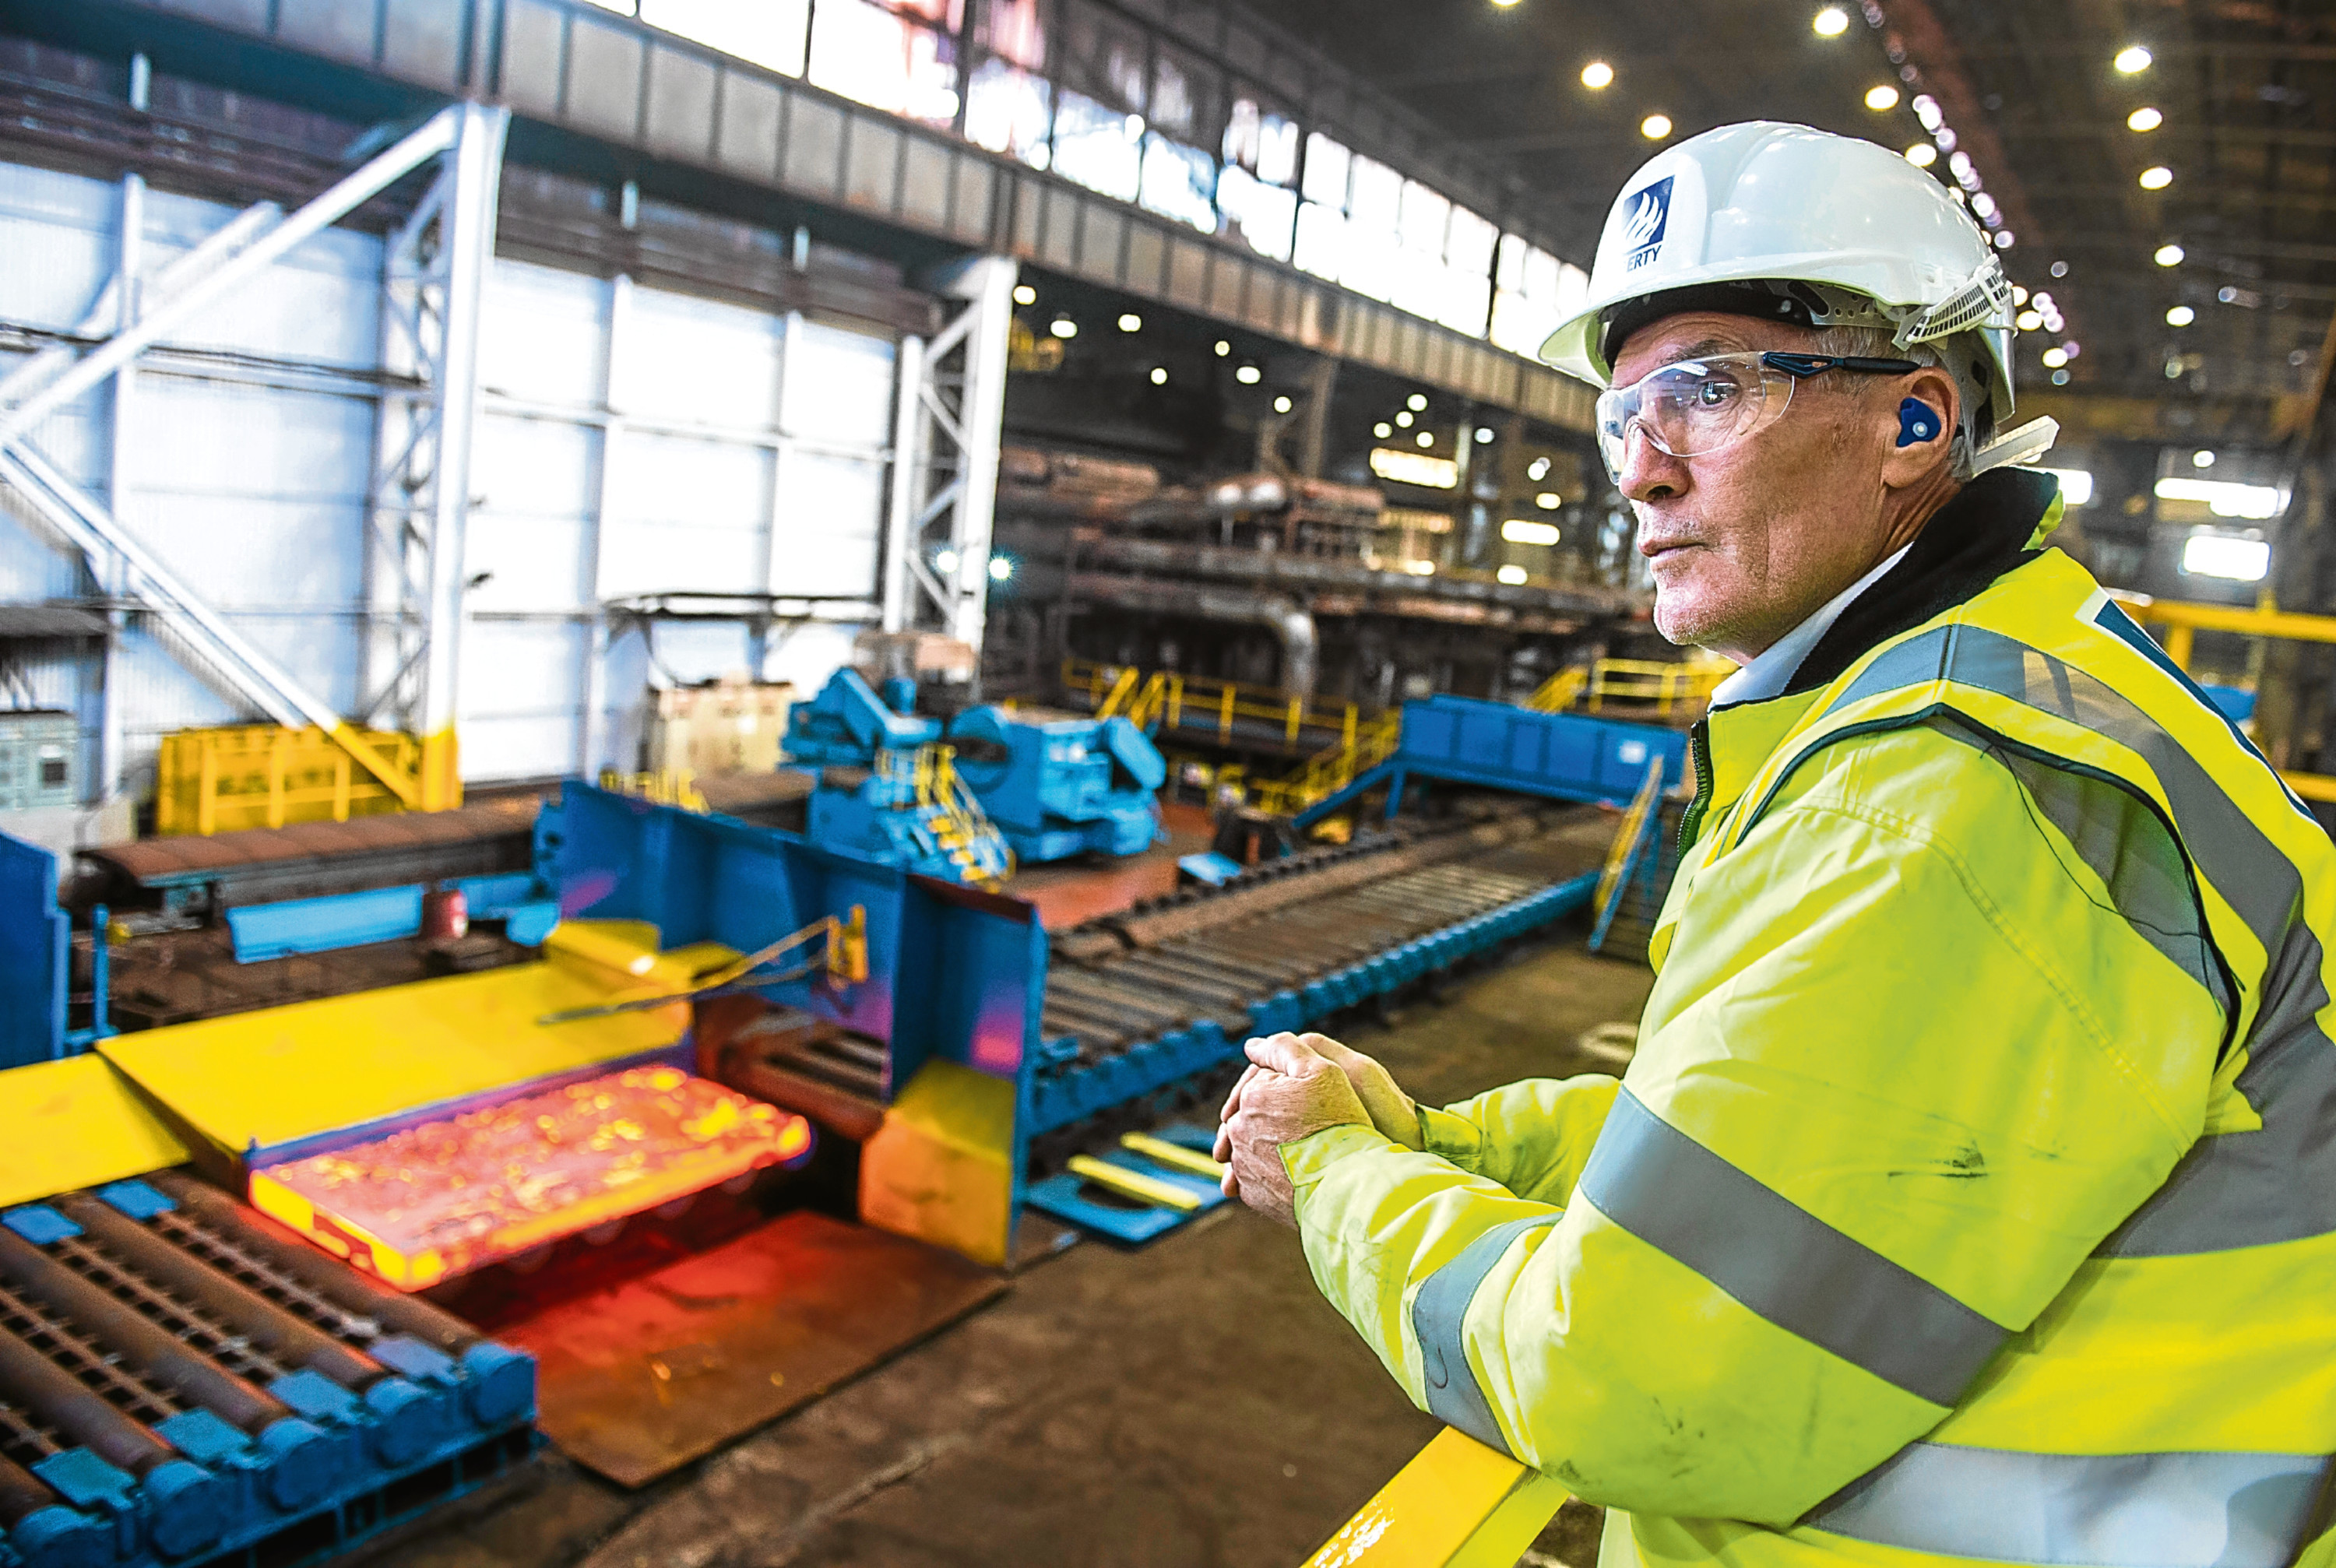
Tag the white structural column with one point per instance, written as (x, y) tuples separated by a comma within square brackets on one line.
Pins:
[(106, 569), (240, 252), (433, 275), (944, 487), (592, 744)]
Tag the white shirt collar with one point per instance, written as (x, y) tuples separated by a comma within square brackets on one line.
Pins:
[(1768, 674)]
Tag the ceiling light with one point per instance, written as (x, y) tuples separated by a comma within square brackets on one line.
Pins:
[(1922, 155), (1514, 575), (2158, 178), (1159, 375), (1001, 567), (2201, 459), (2054, 358), (1416, 403), (2168, 255), (1537, 469), (1504, 4), (1403, 417), (1282, 404), (2004, 238), (2144, 119), (2059, 269), (1830, 23), (1025, 295), (1249, 375), (1881, 98), (1426, 438), (1382, 430), (2059, 378), (1484, 435), (1064, 327), (1597, 74), (2261, 502), (2018, 294), (945, 562), (1420, 568), (1131, 322), (2028, 321), (1655, 127), (2180, 316), (1927, 111), (1223, 349), (1548, 501), (2132, 60), (1527, 531)]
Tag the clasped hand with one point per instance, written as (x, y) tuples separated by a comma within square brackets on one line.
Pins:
[(1296, 1085)]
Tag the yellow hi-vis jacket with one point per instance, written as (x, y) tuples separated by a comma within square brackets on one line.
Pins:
[(1971, 1197)]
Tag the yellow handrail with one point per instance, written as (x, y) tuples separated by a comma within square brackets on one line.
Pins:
[(1560, 691), (1334, 768), (1201, 705), (1665, 683), (1457, 1504), (2183, 621), (971, 839)]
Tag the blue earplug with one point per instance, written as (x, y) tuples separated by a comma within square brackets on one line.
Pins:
[(1917, 421)]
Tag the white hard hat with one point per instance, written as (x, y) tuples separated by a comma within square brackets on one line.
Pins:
[(1797, 224)]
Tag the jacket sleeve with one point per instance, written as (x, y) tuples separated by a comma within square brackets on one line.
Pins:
[(1531, 1137), (1906, 1064)]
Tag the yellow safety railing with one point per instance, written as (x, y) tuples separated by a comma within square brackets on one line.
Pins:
[(966, 835), (1664, 683), (665, 787), (269, 776), (1560, 691), (1457, 1504), (1334, 768), (2183, 621), (1201, 706)]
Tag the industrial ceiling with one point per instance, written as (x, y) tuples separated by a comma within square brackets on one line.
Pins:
[(2189, 253)]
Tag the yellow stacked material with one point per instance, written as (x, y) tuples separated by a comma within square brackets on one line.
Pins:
[(269, 1077), (72, 1124), (215, 781)]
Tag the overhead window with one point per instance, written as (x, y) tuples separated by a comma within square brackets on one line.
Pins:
[(1180, 182), (1255, 212), (1534, 292), (1006, 111), (1099, 146), (771, 34), (892, 57)]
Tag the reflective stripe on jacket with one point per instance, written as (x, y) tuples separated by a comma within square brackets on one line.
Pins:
[(1972, 1194)]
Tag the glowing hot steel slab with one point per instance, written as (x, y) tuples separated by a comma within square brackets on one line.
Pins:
[(446, 1197)]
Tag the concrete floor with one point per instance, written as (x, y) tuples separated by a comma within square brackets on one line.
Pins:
[(1191, 1405)]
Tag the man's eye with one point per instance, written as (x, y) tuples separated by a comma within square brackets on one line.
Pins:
[(1713, 394)]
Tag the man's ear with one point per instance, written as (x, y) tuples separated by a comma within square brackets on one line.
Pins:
[(1922, 423)]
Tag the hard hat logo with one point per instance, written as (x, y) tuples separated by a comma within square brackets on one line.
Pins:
[(1649, 215)]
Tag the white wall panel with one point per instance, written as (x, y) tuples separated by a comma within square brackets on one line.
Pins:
[(829, 525), (701, 360), (737, 451), (522, 697), (534, 481), (543, 333)]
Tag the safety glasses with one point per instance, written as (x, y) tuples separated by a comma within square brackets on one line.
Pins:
[(1704, 405)]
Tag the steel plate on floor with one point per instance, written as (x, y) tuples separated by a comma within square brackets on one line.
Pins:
[(641, 1379)]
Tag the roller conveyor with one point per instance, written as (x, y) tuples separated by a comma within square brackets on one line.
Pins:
[(180, 1385), (1165, 993)]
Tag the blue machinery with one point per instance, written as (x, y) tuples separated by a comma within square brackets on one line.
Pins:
[(1498, 745), (1048, 785)]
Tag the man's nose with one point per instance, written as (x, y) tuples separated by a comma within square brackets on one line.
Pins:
[(1648, 472)]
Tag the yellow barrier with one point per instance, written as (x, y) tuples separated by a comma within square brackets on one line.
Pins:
[(1560, 691), (2182, 623), (1457, 1504), (266, 776), (1333, 769), (1666, 684), (665, 787), (1201, 706)]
